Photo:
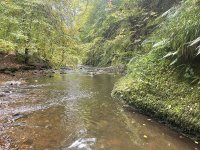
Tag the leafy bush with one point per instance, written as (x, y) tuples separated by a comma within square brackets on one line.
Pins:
[(182, 29)]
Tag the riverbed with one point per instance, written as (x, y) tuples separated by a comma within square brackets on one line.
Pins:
[(75, 111)]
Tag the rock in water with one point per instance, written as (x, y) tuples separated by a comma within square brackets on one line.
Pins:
[(15, 83), (2, 95)]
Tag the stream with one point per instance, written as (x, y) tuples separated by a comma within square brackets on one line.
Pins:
[(75, 111)]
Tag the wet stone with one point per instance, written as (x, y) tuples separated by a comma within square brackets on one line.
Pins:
[(7, 92), (18, 116), (2, 95)]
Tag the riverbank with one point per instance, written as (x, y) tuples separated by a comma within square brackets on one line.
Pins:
[(91, 71), (20, 75), (12, 69), (161, 92)]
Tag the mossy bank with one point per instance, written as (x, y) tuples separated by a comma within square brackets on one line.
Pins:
[(158, 91), (163, 82)]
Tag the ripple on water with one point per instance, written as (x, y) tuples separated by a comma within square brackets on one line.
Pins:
[(83, 144), (24, 109), (77, 112)]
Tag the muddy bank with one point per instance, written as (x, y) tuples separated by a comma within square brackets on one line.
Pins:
[(19, 75), (12, 68)]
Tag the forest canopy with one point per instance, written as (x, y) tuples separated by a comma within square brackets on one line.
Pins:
[(40, 28), (51, 30), (98, 33)]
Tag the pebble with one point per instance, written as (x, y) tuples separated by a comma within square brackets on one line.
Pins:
[(2, 95)]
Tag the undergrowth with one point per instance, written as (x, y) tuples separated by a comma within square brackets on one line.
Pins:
[(163, 82)]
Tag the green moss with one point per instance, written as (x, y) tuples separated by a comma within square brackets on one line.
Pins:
[(160, 81), (155, 89)]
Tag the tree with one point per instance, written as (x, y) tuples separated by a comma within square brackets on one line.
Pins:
[(38, 26)]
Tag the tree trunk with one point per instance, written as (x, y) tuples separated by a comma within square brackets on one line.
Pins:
[(26, 59)]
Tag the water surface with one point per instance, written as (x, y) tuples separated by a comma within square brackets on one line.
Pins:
[(76, 112)]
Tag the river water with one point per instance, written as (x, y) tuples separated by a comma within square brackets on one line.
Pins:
[(76, 112)]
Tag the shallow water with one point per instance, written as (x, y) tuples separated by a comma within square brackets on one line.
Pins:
[(76, 112)]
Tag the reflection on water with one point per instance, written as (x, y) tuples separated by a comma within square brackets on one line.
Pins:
[(72, 112)]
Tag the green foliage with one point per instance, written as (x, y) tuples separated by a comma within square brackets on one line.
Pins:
[(162, 81), (110, 35), (6, 46), (122, 28), (182, 29), (44, 27)]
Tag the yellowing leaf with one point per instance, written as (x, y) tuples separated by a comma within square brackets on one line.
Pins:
[(145, 136)]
